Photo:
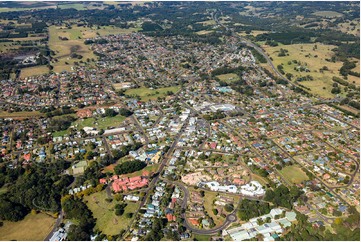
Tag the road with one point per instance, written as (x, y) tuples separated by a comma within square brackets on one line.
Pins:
[(152, 184), (56, 226), (232, 217)]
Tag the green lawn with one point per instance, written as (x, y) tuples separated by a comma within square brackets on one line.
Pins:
[(294, 174), (101, 123), (32, 227), (77, 6), (107, 221), (202, 237), (60, 133), (147, 94), (229, 78)]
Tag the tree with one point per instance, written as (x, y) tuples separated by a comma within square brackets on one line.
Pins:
[(110, 112), (229, 207), (129, 215), (129, 167), (12, 211)]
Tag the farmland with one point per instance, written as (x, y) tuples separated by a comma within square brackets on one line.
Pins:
[(75, 43), (312, 57), (64, 48)]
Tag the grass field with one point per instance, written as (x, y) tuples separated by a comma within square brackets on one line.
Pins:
[(63, 48), (20, 115), (77, 6), (60, 133), (329, 14), (107, 221), (101, 123), (76, 36), (209, 197), (204, 32), (229, 78), (6, 46), (3, 10), (87, 32), (202, 237), (207, 22), (150, 168), (34, 71), (260, 179), (147, 94), (346, 27), (32, 227), (294, 174), (315, 60), (253, 32)]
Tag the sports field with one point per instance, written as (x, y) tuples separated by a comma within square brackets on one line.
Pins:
[(229, 78), (294, 174)]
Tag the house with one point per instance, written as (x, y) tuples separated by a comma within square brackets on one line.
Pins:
[(170, 217), (194, 221), (85, 113)]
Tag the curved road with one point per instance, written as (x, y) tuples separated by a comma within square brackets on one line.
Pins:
[(232, 217)]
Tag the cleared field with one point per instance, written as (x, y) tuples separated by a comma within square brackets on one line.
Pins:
[(20, 115), (6, 46), (77, 6), (88, 33), (32, 227), (207, 22), (204, 32), (329, 14), (229, 78), (64, 48), (147, 94), (34, 71), (3, 10), (107, 221), (124, 85), (348, 108), (32, 38), (294, 174), (312, 58), (253, 32), (260, 179)]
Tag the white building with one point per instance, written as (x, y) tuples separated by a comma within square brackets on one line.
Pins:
[(254, 188)]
